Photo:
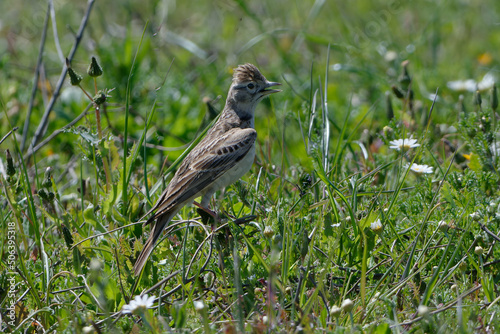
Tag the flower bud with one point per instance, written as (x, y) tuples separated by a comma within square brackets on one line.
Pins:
[(268, 232), (388, 106), (462, 266), (494, 97), (347, 305), (399, 94), (377, 227), (100, 98), (47, 179), (94, 70), (423, 310), (10, 164), (88, 330), (405, 79), (42, 193), (478, 250), (335, 311), (68, 238), (461, 105), (443, 226), (477, 99), (198, 305), (475, 216), (74, 77)]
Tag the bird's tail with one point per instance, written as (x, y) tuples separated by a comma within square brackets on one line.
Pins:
[(155, 234)]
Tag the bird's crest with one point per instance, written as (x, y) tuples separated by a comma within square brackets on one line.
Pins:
[(247, 72)]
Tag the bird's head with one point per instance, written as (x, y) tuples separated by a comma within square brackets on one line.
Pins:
[(250, 86)]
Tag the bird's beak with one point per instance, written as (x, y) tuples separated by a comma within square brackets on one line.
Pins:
[(265, 91)]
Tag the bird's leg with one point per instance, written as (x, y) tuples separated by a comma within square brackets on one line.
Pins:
[(213, 214), (206, 214)]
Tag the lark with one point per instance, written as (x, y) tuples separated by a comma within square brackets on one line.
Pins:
[(221, 158)]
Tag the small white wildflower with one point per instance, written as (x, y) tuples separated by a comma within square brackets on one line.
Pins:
[(420, 169), (479, 250), (265, 320), (88, 330), (376, 226), (390, 56), (198, 305), (335, 311), (375, 297), (268, 231), (139, 303), (403, 144), (471, 85), (443, 226), (487, 82), (475, 216), (347, 305), (423, 310)]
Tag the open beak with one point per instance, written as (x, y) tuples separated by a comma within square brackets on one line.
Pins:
[(265, 91)]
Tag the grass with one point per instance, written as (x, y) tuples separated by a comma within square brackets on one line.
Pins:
[(331, 231)]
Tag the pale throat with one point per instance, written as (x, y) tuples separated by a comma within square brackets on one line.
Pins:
[(244, 112)]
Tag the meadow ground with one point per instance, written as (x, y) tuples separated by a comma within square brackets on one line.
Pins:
[(341, 226)]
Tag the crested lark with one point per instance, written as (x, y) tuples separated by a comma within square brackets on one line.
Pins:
[(221, 158)]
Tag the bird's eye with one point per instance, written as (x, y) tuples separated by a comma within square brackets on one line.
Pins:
[(251, 86)]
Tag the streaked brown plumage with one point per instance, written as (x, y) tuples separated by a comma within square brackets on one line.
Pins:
[(221, 158)]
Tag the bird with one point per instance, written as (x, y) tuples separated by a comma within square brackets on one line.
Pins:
[(221, 158)]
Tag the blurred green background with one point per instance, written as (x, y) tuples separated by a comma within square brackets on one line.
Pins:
[(204, 40)]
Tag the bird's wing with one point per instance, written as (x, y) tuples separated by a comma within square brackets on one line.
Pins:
[(210, 159)]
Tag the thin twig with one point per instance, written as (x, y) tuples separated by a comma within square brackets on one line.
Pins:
[(35, 79), (54, 30), (8, 134), (42, 127)]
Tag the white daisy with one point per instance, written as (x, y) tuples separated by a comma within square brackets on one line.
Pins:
[(405, 144), (139, 303), (471, 85), (421, 169)]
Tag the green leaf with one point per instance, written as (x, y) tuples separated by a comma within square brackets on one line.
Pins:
[(475, 163)]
